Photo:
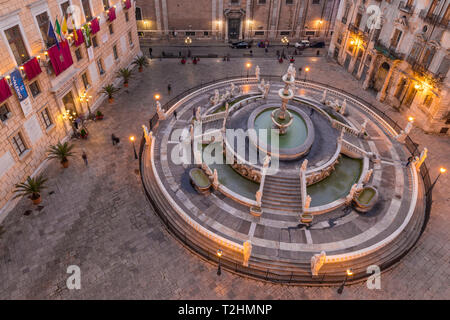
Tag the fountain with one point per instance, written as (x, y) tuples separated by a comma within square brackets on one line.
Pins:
[(281, 117)]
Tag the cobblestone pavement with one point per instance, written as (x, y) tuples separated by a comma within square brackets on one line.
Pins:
[(98, 218)]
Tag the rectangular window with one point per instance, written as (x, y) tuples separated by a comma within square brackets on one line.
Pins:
[(64, 7), (78, 54), (127, 18), (358, 20), (428, 56), (310, 33), (43, 22), (94, 41), (259, 33), (17, 45), (205, 33), (130, 39), (234, 1), (46, 118), (111, 29), (19, 144), (34, 88), (105, 4), (289, 1), (116, 56), (396, 38), (100, 66), (428, 100), (190, 33), (284, 33), (87, 9), (316, 2), (5, 114), (339, 38), (85, 80), (261, 1)]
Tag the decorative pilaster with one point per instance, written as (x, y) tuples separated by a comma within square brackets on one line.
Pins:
[(247, 252), (317, 261)]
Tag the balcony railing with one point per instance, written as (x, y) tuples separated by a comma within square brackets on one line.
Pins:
[(353, 28), (405, 7), (428, 17), (389, 52)]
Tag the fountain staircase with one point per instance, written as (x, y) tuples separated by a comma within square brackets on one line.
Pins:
[(281, 194)]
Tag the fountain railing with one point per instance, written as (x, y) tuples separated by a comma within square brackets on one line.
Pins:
[(339, 125), (219, 240), (355, 149), (314, 175), (214, 116)]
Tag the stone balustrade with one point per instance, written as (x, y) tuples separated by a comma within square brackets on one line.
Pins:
[(339, 125)]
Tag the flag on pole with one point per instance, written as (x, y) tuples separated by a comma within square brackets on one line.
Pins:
[(75, 36), (51, 33), (58, 30), (64, 27)]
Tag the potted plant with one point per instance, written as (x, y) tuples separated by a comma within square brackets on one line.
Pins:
[(99, 115), (125, 74), (280, 60), (61, 151), (141, 62), (31, 188), (109, 90), (183, 61), (84, 134)]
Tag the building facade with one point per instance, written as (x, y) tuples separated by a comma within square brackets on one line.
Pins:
[(400, 50), (44, 86), (236, 19)]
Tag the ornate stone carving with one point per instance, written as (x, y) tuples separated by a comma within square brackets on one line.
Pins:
[(317, 261)]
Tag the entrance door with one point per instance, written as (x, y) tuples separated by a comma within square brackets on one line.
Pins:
[(234, 26), (410, 97), (69, 103), (381, 76), (347, 61)]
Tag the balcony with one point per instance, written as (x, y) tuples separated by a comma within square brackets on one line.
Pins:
[(405, 7), (428, 17), (344, 20), (353, 28), (390, 52)]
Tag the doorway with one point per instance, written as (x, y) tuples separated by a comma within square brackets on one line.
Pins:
[(234, 26), (69, 103), (381, 76)]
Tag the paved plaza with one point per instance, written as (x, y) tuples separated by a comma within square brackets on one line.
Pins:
[(98, 218)]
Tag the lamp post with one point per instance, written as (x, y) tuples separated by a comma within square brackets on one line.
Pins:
[(441, 171), (285, 40), (132, 138), (306, 72), (248, 65), (347, 274), (219, 254)]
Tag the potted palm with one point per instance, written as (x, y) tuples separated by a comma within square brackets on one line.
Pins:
[(31, 188), (141, 62), (61, 151), (125, 74), (99, 115), (109, 90)]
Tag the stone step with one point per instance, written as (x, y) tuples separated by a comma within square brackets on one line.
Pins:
[(286, 197), (286, 189), (282, 178)]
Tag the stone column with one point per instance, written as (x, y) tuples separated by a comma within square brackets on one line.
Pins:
[(370, 73), (382, 94), (165, 19), (158, 16)]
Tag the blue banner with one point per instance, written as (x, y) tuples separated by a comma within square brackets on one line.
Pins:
[(18, 85)]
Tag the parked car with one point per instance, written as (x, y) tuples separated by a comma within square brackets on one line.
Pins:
[(241, 45), (302, 44), (319, 44)]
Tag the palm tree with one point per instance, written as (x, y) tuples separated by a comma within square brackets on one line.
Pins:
[(31, 188), (125, 74), (141, 62), (61, 151), (109, 90)]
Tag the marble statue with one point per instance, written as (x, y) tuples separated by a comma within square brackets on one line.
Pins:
[(352, 193), (291, 71), (324, 96), (423, 156), (343, 107), (266, 90), (258, 197), (307, 202), (317, 261), (257, 72), (368, 175), (198, 115), (159, 111), (304, 165), (215, 179)]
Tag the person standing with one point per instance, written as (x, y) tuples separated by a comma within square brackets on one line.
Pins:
[(169, 88), (150, 50), (409, 161), (84, 156), (175, 114)]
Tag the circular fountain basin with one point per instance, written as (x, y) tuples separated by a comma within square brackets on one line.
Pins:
[(293, 144)]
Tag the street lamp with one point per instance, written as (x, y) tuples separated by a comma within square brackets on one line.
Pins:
[(285, 40), (132, 138), (306, 71), (219, 254), (157, 96), (248, 65), (347, 274), (85, 98), (441, 171)]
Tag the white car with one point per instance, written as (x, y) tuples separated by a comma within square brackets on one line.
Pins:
[(302, 44)]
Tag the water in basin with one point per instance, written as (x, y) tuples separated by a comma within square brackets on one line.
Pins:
[(338, 183), (296, 133), (366, 195)]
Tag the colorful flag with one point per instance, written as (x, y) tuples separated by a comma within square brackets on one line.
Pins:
[(75, 36), (58, 30), (64, 28), (87, 35), (51, 33)]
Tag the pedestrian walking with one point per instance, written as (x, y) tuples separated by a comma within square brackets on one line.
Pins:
[(84, 156), (278, 54), (169, 88), (311, 112), (266, 50), (175, 114), (150, 50), (115, 140), (409, 161), (251, 53), (179, 54)]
